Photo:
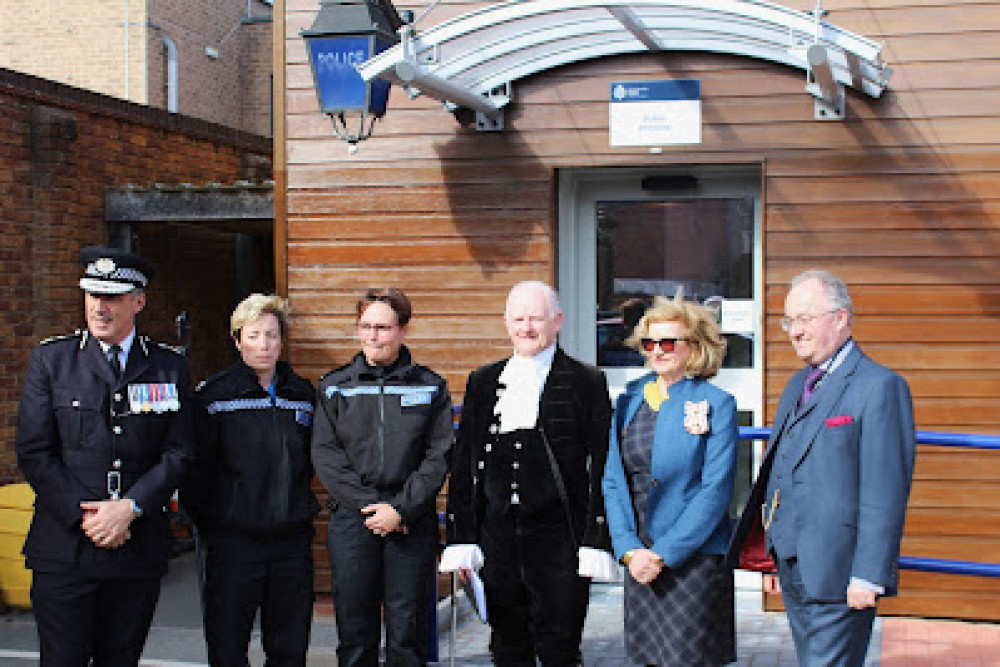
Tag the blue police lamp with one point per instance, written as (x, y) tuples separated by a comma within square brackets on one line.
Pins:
[(346, 33)]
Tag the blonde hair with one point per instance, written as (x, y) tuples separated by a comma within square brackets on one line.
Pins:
[(256, 306), (708, 347)]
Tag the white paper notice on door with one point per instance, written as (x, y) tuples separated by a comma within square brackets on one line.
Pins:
[(737, 316)]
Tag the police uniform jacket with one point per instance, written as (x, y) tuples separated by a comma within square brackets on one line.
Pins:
[(574, 417), (76, 423), (382, 434), (254, 472)]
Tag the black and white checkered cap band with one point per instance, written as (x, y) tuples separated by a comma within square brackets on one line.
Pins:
[(104, 277)]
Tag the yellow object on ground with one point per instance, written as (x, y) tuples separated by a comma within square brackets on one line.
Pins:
[(16, 508)]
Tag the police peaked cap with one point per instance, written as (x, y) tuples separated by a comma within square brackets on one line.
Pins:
[(113, 271)]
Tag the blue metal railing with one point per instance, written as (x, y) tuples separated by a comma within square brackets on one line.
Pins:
[(973, 440), (976, 440)]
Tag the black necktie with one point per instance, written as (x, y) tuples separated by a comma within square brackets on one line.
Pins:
[(116, 366)]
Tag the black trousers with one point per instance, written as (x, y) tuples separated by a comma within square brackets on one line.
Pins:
[(83, 618), (535, 600), (398, 572), (244, 574)]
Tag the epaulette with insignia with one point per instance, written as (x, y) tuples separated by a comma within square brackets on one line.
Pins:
[(53, 339), (170, 348), (209, 380)]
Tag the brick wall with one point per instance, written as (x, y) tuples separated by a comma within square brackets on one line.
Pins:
[(255, 77), (60, 149), (84, 45), (216, 89), (78, 42)]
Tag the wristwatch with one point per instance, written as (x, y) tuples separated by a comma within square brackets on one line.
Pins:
[(627, 558)]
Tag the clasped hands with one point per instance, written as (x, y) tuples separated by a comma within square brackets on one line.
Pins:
[(645, 566), (106, 522), (383, 519)]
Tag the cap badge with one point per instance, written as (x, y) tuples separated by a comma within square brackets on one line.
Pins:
[(105, 265)]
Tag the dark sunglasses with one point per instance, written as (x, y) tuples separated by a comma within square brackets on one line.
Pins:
[(666, 344)]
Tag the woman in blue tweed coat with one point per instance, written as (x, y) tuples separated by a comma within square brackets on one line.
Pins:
[(667, 487)]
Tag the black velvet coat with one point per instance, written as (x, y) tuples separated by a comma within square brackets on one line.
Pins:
[(574, 415)]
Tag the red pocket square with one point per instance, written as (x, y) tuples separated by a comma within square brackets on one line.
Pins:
[(832, 422)]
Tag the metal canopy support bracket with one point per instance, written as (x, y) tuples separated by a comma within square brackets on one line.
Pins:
[(471, 60), (419, 79), (830, 96)]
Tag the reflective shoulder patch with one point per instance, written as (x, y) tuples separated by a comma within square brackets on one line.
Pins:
[(300, 406), (424, 391), (347, 392), (216, 407), (414, 389), (422, 398)]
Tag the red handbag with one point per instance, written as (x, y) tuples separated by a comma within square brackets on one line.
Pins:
[(753, 552)]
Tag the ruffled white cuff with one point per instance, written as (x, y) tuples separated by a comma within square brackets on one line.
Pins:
[(599, 566), (461, 556)]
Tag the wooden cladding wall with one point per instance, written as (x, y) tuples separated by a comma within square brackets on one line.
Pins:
[(902, 199)]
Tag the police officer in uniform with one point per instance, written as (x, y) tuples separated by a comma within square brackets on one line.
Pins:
[(104, 436), (524, 498)]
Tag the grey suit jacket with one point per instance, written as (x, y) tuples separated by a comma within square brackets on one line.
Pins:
[(853, 466)]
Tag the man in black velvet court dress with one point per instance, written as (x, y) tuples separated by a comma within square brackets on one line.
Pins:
[(524, 500)]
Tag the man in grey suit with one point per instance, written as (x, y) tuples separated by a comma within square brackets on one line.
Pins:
[(833, 488)]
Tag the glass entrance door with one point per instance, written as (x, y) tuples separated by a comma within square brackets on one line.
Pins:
[(626, 236)]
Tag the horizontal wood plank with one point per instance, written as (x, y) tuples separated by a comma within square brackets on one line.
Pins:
[(898, 243), (460, 278), (422, 252), (403, 199), (974, 522), (404, 226), (943, 602), (893, 271), (903, 301), (469, 303), (971, 494)]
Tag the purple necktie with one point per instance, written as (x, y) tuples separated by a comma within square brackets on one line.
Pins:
[(813, 377)]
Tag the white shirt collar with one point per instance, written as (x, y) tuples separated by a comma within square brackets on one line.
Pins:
[(540, 363), (831, 364), (125, 345)]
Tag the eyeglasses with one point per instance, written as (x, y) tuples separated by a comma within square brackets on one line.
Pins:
[(666, 344), (376, 329), (802, 320)]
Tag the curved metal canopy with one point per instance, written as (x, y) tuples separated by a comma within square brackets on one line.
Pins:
[(471, 60)]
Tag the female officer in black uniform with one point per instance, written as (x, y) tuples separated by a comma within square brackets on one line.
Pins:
[(251, 496), (382, 436)]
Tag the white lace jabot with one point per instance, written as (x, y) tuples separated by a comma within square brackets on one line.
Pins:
[(523, 379)]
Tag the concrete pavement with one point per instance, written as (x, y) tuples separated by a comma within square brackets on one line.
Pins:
[(763, 638)]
